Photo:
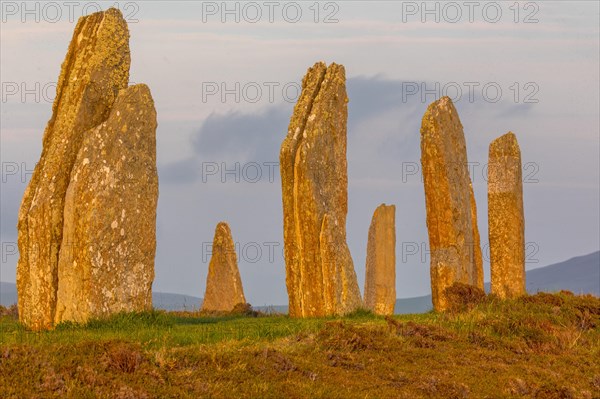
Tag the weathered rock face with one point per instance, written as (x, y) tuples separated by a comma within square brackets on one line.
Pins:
[(380, 281), (449, 200), (106, 260), (320, 275), (505, 217), (223, 284), (95, 69)]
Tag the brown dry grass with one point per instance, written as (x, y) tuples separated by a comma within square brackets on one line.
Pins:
[(540, 347)]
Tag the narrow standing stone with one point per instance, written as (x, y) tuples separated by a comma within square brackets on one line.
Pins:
[(477, 255), (448, 199), (505, 217), (320, 274), (106, 262), (223, 284), (380, 281), (96, 67)]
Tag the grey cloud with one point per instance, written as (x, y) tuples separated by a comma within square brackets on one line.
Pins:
[(257, 137), (515, 110), (378, 107), (250, 136), (179, 172)]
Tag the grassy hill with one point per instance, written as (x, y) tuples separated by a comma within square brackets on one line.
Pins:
[(543, 346)]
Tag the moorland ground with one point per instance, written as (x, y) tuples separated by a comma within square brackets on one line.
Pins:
[(541, 346)]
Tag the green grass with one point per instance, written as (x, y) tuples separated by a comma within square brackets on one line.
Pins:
[(158, 328), (542, 346)]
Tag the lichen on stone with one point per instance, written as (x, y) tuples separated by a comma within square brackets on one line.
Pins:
[(320, 274)]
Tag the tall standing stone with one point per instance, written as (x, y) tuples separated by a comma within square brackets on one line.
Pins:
[(223, 284), (449, 201), (320, 274), (505, 217), (106, 262), (380, 281), (96, 67), (477, 255)]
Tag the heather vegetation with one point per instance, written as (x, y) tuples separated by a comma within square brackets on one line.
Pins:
[(539, 346)]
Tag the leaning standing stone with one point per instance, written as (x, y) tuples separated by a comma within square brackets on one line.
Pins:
[(448, 200), (95, 68)]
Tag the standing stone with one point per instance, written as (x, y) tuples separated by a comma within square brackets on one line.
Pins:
[(96, 67), (106, 262), (223, 284), (320, 274), (380, 281), (505, 217), (477, 255), (449, 201)]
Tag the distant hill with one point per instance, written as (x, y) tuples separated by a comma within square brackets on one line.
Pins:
[(161, 300), (168, 301), (581, 275), (419, 304)]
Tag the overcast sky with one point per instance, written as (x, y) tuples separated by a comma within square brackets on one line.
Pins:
[(224, 92)]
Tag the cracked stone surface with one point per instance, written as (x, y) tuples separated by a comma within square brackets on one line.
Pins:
[(66, 193), (320, 274)]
